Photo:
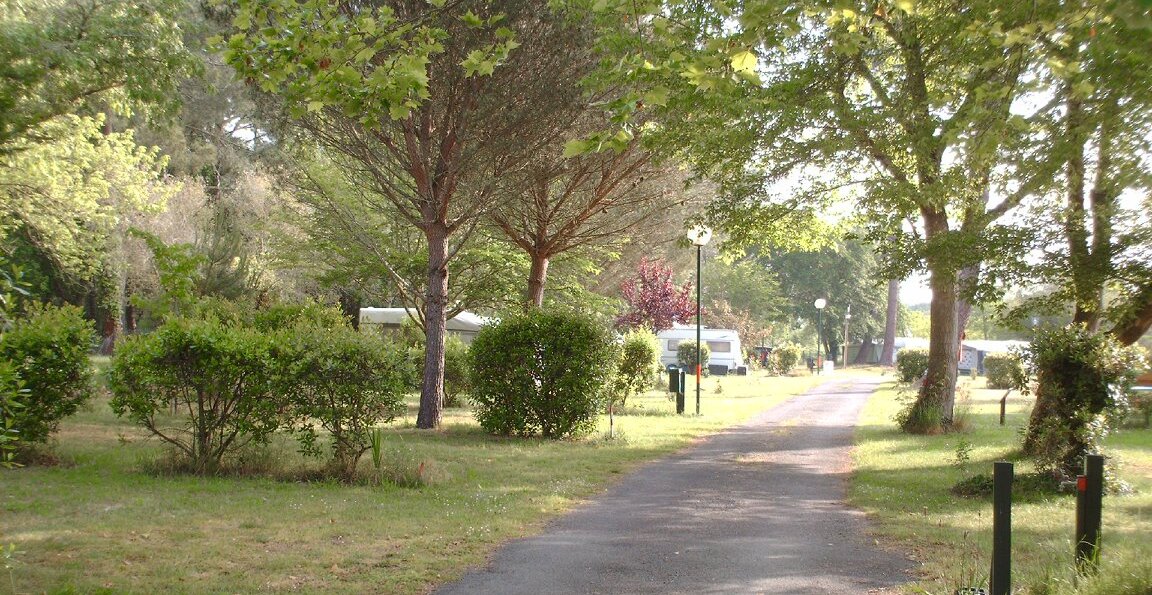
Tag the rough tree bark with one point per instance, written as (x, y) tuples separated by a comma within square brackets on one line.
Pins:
[(435, 322)]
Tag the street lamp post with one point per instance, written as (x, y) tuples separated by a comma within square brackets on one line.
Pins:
[(819, 303), (699, 236), (847, 318)]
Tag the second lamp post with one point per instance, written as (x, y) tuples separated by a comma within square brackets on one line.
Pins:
[(819, 303), (699, 236)]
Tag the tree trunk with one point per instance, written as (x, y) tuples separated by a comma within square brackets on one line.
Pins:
[(865, 352), (934, 405), (888, 351), (350, 304), (1135, 318), (537, 276), (436, 299)]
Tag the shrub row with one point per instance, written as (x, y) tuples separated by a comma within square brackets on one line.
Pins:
[(210, 385)]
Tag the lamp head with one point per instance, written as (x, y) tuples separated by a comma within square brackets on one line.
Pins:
[(820, 303), (699, 235)]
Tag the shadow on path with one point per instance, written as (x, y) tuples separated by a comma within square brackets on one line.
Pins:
[(755, 509)]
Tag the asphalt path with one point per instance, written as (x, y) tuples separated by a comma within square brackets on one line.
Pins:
[(755, 509)]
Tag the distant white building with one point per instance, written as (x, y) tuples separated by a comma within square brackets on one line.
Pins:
[(464, 325)]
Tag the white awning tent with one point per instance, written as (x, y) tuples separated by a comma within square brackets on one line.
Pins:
[(465, 324)]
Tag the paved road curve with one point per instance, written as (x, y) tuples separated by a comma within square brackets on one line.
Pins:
[(756, 509)]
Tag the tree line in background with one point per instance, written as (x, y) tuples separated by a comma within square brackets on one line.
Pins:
[(458, 155)]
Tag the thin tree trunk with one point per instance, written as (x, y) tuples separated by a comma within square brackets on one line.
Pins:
[(350, 304), (436, 298), (1136, 317), (888, 351), (865, 352), (968, 276), (537, 276)]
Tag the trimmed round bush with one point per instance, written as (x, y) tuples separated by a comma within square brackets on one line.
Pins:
[(784, 358), (541, 373), (639, 364), (686, 354), (1004, 371), (47, 351), (911, 364)]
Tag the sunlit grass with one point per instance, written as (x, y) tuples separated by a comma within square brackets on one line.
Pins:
[(100, 520), (903, 483)]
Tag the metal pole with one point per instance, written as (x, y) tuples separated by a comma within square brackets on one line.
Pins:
[(1000, 580), (699, 364), (819, 338), (847, 319)]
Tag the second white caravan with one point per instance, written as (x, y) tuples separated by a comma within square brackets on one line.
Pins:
[(724, 345)]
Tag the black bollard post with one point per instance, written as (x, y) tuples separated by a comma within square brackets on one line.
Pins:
[(1089, 510), (683, 390), (1000, 579)]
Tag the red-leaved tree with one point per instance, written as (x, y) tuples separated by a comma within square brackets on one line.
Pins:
[(654, 301)]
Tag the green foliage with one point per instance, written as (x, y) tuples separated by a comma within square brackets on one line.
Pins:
[(911, 363), (219, 380), (345, 382), (12, 395), (639, 364), (60, 57), (72, 193), (176, 266), (307, 314), (457, 383), (1082, 380), (541, 373), (48, 354), (1005, 371), (457, 379), (686, 354), (784, 358)]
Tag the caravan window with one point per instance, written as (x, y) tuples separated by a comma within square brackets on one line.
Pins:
[(720, 346), (674, 344)]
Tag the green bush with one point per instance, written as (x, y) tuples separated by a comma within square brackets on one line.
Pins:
[(784, 358), (48, 353), (638, 366), (282, 316), (686, 355), (541, 373), (219, 380), (343, 381), (1082, 380), (12, 393), (1004, 371), (457, 383), (911, 364)]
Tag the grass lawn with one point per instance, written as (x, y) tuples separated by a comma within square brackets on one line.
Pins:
[(903, 483), (100, 521)]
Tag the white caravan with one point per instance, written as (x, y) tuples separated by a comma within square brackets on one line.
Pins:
[(723, 343)]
